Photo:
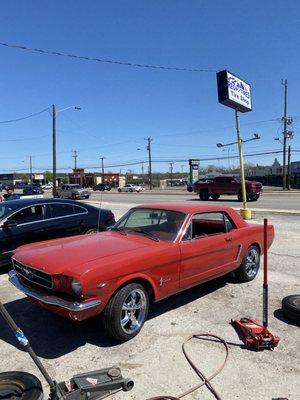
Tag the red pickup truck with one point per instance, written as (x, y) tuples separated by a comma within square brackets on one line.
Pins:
[(227, 185)]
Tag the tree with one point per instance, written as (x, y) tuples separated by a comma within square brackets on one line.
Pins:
[(48, 176)]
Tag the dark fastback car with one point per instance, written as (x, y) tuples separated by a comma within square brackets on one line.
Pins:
[(101, 187), (31, 220), (32, 189)]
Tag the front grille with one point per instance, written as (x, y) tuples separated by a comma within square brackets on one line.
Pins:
[(33, 275)]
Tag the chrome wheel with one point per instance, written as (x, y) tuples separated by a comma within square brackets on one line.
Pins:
[(252, 263), (134, 311)]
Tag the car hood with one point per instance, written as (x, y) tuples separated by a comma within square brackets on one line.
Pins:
[(60, 255)]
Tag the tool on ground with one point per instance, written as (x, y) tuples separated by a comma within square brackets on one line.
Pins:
[(253, 333), (87, 386)]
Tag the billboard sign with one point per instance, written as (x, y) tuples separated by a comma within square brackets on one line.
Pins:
[(233, 91)]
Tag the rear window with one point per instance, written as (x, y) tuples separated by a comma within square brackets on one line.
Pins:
[(61, 210)]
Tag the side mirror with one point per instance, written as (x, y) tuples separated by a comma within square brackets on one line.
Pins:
[(9, 224)]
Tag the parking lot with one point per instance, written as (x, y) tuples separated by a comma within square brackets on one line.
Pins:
[(154, 359)]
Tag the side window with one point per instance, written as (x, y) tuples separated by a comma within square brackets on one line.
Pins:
[(207, 224), (219, 180), (29, 214), (79, 210), (61, 210), (228, 224), (228, 180)]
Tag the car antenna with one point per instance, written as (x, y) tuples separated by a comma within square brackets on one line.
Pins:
[(99, 213)]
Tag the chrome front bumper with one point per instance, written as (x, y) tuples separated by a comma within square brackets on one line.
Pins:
[(50, 299)]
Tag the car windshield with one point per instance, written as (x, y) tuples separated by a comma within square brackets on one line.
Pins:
[(6, 208), (156, 223), (76, 187)]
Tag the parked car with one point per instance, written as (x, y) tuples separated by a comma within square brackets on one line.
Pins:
[(227, 185), (47, 186), (20, 185), (131, 188), (152, 252), (72, 191), (32, 220), (32, 189), (101, 187)]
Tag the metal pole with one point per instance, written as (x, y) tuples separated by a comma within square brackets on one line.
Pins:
[(265, 282), (54, 149), (171, 173), (102, 168), (289, 169), (30, 163), (150, 166), (244, 212), (284, 136), (75, 159)]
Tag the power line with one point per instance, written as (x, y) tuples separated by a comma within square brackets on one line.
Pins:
[(103, 60), (22, 118)]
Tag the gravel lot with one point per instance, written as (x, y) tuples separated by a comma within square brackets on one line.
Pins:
[(154, 359)]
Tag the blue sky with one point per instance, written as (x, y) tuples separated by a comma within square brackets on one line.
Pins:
[(258, 41)]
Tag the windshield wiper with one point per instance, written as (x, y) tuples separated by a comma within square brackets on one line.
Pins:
[(148, 234), (120, 230)]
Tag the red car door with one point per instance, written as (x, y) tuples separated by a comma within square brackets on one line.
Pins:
[(208, 249)]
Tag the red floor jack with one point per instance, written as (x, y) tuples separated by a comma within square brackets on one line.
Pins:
[(254, 334)]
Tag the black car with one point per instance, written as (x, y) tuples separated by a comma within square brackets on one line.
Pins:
[(33, 189), (102, 187), (31, 220)]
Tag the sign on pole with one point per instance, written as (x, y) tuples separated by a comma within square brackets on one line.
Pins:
[(194, 170), (233, 91)]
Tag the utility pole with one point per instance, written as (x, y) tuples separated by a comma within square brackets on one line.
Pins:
[(289, 169), (30, 167), (142, 167), (75, 158), (171, 172), (284, 135), (54, 148), (149, 140), (102, 168)]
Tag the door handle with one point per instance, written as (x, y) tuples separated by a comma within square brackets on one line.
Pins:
[(228, 239)]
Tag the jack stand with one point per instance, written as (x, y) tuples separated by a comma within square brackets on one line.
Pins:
[(253, 333)]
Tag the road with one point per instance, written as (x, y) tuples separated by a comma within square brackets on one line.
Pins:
[(268, 201)]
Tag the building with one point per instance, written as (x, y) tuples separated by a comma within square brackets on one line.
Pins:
[(295, 167), (90, 179), (12, 179)]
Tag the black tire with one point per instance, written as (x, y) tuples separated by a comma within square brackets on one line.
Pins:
[(247, 272), (20, 385), (86, 197), (215, 197), (113, 312), (240, 196), (119, 190), (254, 197), (204, 195), (130, 190), (91, 231), (291, 308), (73, 196)]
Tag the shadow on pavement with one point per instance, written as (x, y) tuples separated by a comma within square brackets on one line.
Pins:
[(52, 336), (279, 315)]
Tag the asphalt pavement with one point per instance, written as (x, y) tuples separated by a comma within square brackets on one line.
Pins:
[(285, 202)]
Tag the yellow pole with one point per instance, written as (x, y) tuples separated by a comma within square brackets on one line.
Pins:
[(245, 212)]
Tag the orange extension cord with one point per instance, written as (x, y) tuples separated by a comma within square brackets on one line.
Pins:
[(205, 381)]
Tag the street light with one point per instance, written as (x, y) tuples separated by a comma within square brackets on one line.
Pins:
[(54, 113)]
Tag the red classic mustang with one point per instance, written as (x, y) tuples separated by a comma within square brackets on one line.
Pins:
[(153, 251)]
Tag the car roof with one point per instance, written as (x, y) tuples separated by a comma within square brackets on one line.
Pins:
[(24, 202), (188, 207)]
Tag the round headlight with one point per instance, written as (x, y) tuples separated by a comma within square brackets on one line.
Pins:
[(76, 287)]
